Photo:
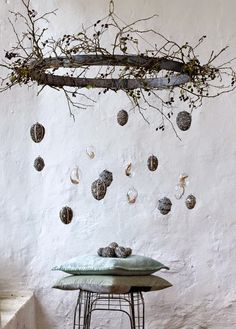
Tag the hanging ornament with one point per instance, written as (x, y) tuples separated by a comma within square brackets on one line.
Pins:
[(190, 201), (132, 195), (37, 132), (122, 117), (184, 120), (39, 164), (66, 215), (107, 177), (98, 189), (180, 188), (90, 150), (164, 205), (152, 163), (75, 176), (128, 170)]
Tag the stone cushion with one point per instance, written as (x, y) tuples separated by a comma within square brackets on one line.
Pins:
[(91, 265), (112, 284)]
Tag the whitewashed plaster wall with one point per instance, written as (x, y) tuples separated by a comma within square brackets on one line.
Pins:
[(198, 245)]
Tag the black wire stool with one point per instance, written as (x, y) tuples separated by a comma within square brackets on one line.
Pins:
[(131, 303)]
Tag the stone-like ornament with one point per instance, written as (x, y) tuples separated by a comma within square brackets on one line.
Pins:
[(108, 252), (132, 195), (107, 177), (37, 132), (98, 189), (114, 250), (164, 205), (66, 215), (39, 164), (190, 201), (75, 176), (152, 163), (122, 117), (183, 120), (113, 245)]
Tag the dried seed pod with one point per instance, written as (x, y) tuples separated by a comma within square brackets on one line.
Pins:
[(107, 177), (39, 164), (128, 252), (66, 215), (37, 132), (120, 252), (75, 176), (132, 195), (184, 120), (100, 251), (152, 163), (108, 252), (113, 245), (98, 189), (164, 205), (190, 201), (122, 117)]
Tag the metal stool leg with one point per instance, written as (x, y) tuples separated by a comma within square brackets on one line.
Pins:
[(132, 304)]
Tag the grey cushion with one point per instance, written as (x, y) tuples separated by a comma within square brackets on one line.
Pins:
[(91, 265), (112, 284)]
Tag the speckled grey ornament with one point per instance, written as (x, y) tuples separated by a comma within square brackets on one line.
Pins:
[(39, 164), (122, 117), (98, 189), (184, 120), (108, 252), (164, 205), (66, 215), (107, 177), (113, 245), (152, 163), (190, 201), (120, 252), (128, 251), (37, 132), (100, 251)]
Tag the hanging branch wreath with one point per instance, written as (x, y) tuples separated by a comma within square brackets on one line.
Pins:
[(122, 66)]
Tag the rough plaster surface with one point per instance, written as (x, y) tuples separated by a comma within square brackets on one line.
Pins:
[(198, 245)]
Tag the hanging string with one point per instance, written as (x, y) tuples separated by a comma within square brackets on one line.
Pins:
[(111, 7)]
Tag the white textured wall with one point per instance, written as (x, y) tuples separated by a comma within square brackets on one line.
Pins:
[(198, 245)]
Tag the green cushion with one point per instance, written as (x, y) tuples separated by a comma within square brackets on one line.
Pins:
[(91, 265), (112, 284)]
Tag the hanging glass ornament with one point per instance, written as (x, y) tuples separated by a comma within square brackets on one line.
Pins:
[(132, 195), (75, 176), (90, 150), (128, 170)]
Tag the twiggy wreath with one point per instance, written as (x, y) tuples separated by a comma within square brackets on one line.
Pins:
[(121, 66)]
